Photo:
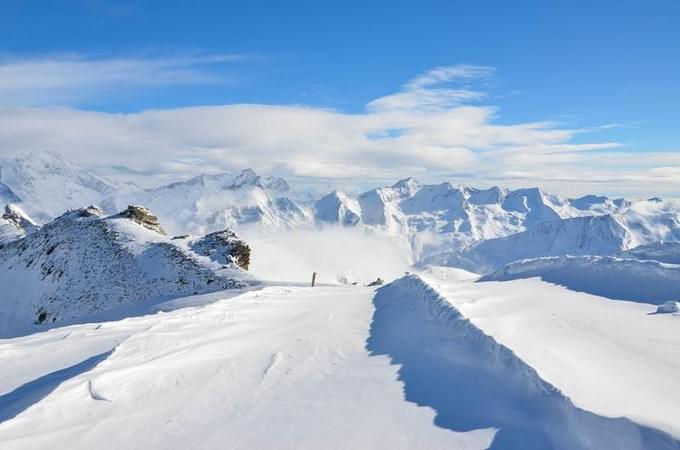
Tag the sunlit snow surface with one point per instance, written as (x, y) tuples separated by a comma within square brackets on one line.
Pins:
[(464, 365), (282, 367)]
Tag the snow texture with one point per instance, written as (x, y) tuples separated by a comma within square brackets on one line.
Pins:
[(472, 381)]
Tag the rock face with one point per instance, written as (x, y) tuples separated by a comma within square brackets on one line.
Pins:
[(223, 247), (143, 216), (82, 263)]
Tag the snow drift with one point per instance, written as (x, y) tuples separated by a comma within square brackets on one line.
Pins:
[(473, 382), (607, 276)]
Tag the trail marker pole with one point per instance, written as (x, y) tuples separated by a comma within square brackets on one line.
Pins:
[(313, 278)]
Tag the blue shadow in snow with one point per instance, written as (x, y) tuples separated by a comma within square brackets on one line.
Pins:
[(472, 382), (14, 403)]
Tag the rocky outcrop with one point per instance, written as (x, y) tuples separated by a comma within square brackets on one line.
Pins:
[(142, 216), (83, 263), (223, 247)]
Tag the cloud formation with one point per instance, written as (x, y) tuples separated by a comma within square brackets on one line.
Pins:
[(434, 128), (67, 79)]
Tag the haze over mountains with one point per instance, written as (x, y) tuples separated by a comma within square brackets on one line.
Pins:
[(477, 229)]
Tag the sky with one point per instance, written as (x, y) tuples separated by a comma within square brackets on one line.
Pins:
[(573, 96)]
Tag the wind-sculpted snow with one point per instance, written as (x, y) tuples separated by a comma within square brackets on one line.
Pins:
[(607, 276), (81, 264), (473, 382)]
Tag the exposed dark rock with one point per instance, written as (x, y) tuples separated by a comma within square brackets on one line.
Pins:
[(223, 247), (143, 216)]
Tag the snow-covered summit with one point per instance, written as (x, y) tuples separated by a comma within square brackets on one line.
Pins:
[(45, 185), (209, 203), (337, 208)]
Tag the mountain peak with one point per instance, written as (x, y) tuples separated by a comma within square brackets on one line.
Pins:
[(407, 185)]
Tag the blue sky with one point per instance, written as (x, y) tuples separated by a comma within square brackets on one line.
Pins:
[(608, 68)]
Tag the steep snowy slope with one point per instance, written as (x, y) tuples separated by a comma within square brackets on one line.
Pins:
[(336, 208), (15, 224), (82, 263), (652, 220), (214, 202), (592, 235), (45, 185), (444, 220), (617, 278), (666, 252)]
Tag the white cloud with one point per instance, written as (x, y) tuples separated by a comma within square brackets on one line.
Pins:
[(457, 142), (433, 91), (68, 79)]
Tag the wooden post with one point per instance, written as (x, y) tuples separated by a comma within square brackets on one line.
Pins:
[(313, 278)]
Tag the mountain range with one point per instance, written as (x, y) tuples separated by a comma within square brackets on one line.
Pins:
[(448, 224)]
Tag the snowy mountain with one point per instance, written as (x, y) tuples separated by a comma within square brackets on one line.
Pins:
[(214, 202), (645, 281), (591, 235), (45, 185), (15, 224), (483, 229), (83, 263), (665, 252), (337, 208), (104, 314), (479, 229)]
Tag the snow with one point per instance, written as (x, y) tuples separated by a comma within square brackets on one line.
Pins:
[(209, 203), (593, 235), (445, 223), (46, 185), (569, 342), (616, 278), (81, 264), (613, 358), (282, 367)]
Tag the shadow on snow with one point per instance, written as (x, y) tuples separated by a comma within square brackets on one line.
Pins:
[(472, 382), (23, 397)]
